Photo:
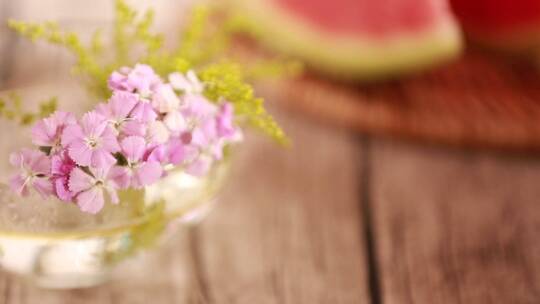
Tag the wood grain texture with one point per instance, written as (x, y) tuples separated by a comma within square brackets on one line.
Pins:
[(288, 230), (455, 227)]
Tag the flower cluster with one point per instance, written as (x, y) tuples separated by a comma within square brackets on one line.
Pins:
[(147, 125)]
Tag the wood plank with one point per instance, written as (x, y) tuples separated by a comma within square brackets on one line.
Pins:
[(455, 227), (288, 229)]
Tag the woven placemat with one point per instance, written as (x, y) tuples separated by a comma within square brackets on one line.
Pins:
[(476, 101)]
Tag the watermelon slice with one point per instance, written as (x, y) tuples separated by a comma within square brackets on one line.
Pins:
[(510, 25), (358, 39)]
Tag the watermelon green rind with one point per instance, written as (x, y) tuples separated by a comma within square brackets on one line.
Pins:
[(349, 56)]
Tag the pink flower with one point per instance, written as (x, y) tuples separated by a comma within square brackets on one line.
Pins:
[(188, 83), (141, 173), (210, 133), (144, 111), (225, 123), (141, 79), (119, 81), (134, 128), (176, 151), (205, 137), (61, 167), (204, 148), (159, 153), (127, 141), (91, 142), (118, 108), (90, 187), (34, 169), (198, 109), (154, 132), (47, 132)]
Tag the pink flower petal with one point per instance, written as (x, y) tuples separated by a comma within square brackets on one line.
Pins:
[(188, 83), (41, 164), (157, 154), (102, 158), (148, 173), (43, 186), (18, 185), (122, 103), (46, 131), (62, 164), (133, 148), (62, 190), (118, 80), (71, 133), (157, 133), (120, 177), (109, 141), (43, 133), (112, 195), (91, 201), (64, 118), (164, 99), (80, 152), (224, 121), (175, 121), (144, 112), (133, 128), (199, 138), (177, 153), (16, 159), (80, 181), (93, 124), (104, 110)]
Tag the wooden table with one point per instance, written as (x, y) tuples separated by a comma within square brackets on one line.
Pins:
[(338, 218)]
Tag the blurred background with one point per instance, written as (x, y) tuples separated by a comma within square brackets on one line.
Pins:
[(413, 174)]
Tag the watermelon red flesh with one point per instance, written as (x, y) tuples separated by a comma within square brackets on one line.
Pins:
[(375, 18)]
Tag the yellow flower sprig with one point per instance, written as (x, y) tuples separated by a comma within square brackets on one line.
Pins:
[(226, 80), (203, 47)]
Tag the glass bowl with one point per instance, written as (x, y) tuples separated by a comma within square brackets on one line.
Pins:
[(55, 245)]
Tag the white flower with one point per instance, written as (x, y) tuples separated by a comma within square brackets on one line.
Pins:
[(175, 122), (157, 132), (165, 100), (188, 83)]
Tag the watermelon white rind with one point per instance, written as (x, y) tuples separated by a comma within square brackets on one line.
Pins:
[(346, 55)]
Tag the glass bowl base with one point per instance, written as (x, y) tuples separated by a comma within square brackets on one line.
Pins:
[(74, 281)]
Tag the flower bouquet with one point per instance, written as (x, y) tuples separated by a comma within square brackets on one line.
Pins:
[(95, 187)]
